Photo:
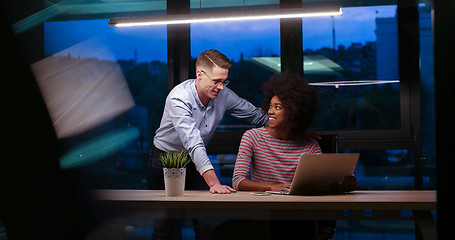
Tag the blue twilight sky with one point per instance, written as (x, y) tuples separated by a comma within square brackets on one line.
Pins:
[(252, 38)]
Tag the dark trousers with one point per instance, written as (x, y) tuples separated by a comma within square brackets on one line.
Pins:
[(172, 228)]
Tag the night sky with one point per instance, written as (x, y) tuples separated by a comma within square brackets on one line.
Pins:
[(252, 38)]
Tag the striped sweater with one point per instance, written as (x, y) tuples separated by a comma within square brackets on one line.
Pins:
[(270, 160)]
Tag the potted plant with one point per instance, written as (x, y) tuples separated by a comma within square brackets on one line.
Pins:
[(174, 168)]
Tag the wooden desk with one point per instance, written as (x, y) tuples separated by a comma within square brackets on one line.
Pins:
[(358, 205)]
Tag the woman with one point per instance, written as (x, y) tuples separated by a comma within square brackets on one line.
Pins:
[(272, 153)]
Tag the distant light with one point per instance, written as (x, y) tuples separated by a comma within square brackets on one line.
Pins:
[(227, 16), (338, 84)]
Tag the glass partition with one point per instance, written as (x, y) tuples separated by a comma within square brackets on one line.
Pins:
[(113, 147)]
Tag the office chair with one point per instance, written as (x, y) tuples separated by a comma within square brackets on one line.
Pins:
[(328, 143)]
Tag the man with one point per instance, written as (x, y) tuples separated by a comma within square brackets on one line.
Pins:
[(192, 112)]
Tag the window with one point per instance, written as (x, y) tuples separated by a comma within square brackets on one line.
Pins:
[(352, 60), (140, 56), (385, 169)]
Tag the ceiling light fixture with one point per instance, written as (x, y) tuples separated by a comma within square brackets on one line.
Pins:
[(227, 16)]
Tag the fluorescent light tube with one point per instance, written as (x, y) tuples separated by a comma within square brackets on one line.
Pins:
[(226, 16)]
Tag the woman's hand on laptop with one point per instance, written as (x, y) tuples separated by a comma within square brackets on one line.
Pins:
[(280, 187)]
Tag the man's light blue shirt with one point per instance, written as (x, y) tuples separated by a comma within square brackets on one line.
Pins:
[(187, 125)]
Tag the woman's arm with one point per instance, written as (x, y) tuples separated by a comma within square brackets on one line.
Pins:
[(250, 185), (244, 159)]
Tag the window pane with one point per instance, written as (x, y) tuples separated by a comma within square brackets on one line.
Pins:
[(385, 169), (246, 43), (140, 56), (353, 61)]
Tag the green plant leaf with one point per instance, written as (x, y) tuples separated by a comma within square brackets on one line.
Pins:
[(175, 159)]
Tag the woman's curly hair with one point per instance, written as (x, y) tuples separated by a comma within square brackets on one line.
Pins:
[(299, 99)]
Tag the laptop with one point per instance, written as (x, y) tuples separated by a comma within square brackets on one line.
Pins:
[(319, 173)]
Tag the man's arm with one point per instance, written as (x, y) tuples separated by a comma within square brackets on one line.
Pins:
[(190, 136), (242, 109), (181, 116)]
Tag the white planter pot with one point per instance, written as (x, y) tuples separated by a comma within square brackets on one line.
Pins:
[(174, 181)]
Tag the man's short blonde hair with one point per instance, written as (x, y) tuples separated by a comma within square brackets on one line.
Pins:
[(212, 58)]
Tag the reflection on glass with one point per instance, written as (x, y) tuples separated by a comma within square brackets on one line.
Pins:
[(90, 66), (358, 81), (82, 92)]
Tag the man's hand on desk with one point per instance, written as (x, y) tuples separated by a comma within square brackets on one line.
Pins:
[(223, 189), (214, 184)]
